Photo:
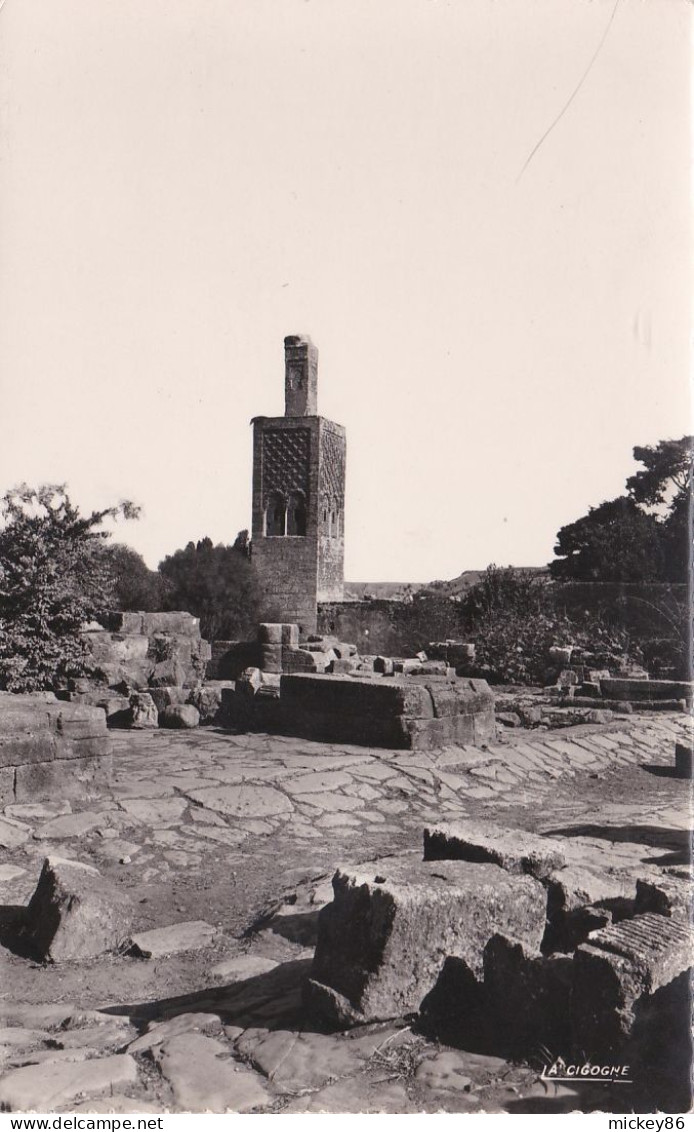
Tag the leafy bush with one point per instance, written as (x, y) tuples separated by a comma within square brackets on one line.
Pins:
[(53, 578), (512, 621)]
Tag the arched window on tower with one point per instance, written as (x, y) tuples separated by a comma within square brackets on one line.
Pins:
[(296, 514), (275, 515), (333, 532)]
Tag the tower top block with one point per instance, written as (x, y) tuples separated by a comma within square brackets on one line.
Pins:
[(300, 376)]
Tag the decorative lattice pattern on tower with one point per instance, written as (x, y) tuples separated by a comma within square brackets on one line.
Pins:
[(285, 461), (333, 468)]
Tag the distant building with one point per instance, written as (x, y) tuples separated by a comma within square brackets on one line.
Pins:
[(298, 498)]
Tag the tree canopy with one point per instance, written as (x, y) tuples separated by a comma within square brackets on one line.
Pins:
[(645, 535), (53, 578), (216, 584)]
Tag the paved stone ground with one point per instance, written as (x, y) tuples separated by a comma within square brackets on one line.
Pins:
[(244, 832)]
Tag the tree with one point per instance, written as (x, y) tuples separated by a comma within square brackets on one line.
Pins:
[(216, 584), (615, 542), (643, 536), (135, 586), (53, 579), (667, 470)]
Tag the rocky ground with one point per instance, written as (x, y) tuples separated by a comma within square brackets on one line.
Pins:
[(237, 836)]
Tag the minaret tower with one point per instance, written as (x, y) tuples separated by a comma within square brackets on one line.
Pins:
[(298, 497)]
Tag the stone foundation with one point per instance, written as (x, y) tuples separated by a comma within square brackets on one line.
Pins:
[(414, 713), (51, 749)]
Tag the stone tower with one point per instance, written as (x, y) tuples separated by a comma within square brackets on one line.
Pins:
[(298, 497)]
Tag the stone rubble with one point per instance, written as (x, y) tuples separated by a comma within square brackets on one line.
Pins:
[(244, 1016)]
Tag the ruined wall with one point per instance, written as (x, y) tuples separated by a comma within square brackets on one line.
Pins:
[(51, 750), (396, 628)]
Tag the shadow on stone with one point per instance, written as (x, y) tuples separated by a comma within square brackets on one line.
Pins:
[(661, 771), (272, 1001), (455, 1011), (677, 840), (12, 932), (578, 1098)]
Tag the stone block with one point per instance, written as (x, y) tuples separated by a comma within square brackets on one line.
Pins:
[(347, 695), (208, 699), (229, 658), (560, 655), (683, 760), (665, 895), (180, 717), (645, 689), (75, 913), (631, 1003), (434, 668), (191, 935), (248, 683), (384, 665), (6, 785), (25, 747), (383, 940), (290, 636), (271, 658), (582, 898), (528, 996), (514, 850), (567, 678), (166, 696), (73, 779), (298, 660), (343, 665), (270, 633), (143, 712), (116, 708)]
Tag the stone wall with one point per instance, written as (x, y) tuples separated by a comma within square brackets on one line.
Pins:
[(51, 750), (397, 628), (148, 650)]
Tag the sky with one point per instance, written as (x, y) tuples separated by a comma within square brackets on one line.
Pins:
[(185, 182)]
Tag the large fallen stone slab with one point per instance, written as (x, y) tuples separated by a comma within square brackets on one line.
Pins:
[(204, 1079), (75, 913), (383, 940), (514, 850), (45, 1087), (13, 833), (631, 1004), (192, 935)]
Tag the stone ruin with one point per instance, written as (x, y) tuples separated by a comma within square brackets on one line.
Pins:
[(496, 939), (321, 689), (51, 749), (489, 938)]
